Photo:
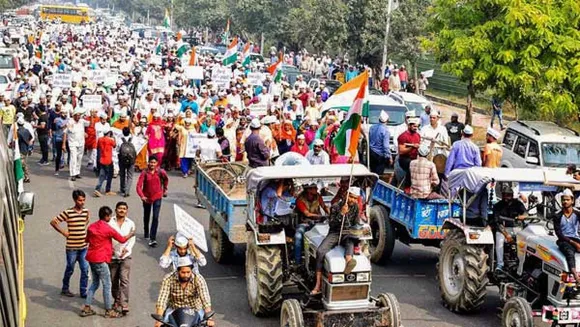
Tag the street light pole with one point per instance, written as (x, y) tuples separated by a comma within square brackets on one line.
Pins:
[(387, 28)]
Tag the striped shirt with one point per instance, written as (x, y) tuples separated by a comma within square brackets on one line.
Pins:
[(77, 224)]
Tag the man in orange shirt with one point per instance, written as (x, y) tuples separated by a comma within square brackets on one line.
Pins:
[(106, 144), (492, 152)]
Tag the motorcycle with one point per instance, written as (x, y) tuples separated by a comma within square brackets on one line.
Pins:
[(184, 317)]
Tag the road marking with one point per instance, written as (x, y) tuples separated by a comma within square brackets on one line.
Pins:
[(399, 276), (222, 278)]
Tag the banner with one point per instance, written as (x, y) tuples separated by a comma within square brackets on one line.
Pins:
[(255, 78), (428, 73), (259, 109), (160, 84), (190, 228), (62, 80), (92, 101), (98, 75), (192, 144), (194, 72), (221, 76)]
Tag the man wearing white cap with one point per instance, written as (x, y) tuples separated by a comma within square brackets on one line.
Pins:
[(424, 176), (436, 134), (492, 152), (317, 156), (379, 144), (256, 150), (75, 138), (464, 153), (566, 223), (178, 247)]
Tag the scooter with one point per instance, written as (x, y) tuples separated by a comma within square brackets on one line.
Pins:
[(184, 317)]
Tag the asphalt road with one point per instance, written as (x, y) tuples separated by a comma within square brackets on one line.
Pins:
[(410, 275)]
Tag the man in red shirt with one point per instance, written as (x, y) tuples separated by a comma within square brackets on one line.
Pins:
[(100, 237), (151, 188), (408, 142), (308, 205), (106, 144)]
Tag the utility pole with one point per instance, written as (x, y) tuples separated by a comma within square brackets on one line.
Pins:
[(387, 28), (148, 19), (262, 44)]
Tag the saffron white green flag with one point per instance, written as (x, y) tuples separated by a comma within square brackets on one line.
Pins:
[(346, 140), (231, 55), (246, 54), (181, 49), (276, 71), (18, 170), (346, 95)]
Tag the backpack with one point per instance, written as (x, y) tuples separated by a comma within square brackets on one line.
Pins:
[(127, 153)]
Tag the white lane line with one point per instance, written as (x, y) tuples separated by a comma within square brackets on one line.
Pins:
[(399, 276), (221, 278)]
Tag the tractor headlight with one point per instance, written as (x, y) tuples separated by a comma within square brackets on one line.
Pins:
[(363, 277), (336, 278)]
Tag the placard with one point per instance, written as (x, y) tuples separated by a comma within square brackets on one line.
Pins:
[(221, 76), (190, 228), (139, 142), (192, 143), (259, 109), (255, 78), (98, 75), (92, 101), (62, 80), (160, 84), (194, 72), (155, 60), (428, 73), (147, 34)]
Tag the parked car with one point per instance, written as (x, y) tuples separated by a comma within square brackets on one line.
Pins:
[(411, 100), (331, 85), (538, 144)]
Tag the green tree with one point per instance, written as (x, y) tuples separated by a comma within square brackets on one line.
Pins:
[(528, 52)]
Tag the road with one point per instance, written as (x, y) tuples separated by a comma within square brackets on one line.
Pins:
[(410, 275)]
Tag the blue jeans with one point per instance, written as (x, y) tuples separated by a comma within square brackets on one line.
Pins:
[(499, 115), (169, 318), (72, 256), (185, 165), (156, 206), (105, 173), (298, 243), (100, 273)]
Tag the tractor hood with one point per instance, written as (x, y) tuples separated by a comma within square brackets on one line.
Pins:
[(535, 240)]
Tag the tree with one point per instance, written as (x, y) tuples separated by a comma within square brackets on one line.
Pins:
[(528, 52)]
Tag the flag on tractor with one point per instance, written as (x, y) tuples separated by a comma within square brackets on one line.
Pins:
[(193, 57), (181, 49), (231, 55), (166, 20), (346, 94), (276, 69), (246, 54), (346, 140), (18, 170)]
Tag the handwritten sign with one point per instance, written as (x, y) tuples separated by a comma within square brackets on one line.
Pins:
[(92, 101), (190, 228), (192, 144), (160, 84), (194, 72), (259, 109), (255, 78), (62, 80), (221, 76), (98, 75)]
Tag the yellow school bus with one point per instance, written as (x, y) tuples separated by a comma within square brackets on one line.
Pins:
[(66, 14)]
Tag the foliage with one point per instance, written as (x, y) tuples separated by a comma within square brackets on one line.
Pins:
[(528, 51)]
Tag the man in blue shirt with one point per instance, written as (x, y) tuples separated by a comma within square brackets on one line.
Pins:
[(190, 103), (379, 138), (464, 153), (566, 224), (425, 117)]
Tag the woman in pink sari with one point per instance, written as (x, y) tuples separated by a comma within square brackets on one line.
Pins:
[(335, 157), (156, 137)]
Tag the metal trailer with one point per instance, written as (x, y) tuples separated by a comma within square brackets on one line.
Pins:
[(395, 215), (227, 211)]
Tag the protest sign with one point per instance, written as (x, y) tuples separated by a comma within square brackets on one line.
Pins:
[(62, 80), (192, 143), (148, 34), (160, 84), (190, 228), (259, 109), (98, 75), (221, 76), (194, 72), (428, 73), (92, 102), (139, 142), (156, 60), (255, 78)]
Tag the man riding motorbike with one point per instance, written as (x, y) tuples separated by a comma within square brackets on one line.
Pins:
[(183, 289)]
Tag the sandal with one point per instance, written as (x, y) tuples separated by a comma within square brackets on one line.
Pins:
[(87, 311), (112, 314)]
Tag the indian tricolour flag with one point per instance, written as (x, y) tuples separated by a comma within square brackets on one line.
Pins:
[(276, 71), (346, 140), (18, 170), (181, 49), (231, 53), (158, 46), (246, 54), (346, 94), (166, 20)]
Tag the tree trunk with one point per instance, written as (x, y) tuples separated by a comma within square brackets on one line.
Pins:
[(470, 96), (416, 79)]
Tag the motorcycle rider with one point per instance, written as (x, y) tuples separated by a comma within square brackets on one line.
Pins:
[(183, 248), (508, 207), (566, 222), (183, 289)]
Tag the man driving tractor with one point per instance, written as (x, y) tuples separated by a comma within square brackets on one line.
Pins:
[(308, 205), (508, 207), (343, 215)]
